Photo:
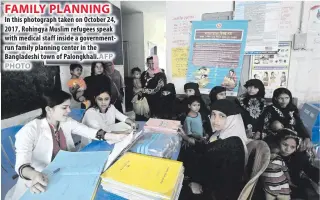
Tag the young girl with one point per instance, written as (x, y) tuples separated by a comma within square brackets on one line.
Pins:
[(191, 89), (193, 122), (103, 114), (286, 167), (252, 103)]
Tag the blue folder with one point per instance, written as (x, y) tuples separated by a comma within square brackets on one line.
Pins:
[(77, 178)]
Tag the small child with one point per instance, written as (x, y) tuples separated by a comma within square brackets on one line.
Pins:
[(140, 104), (276, 126), (136, 74), (77, 85), (193, 123), (276, 178)]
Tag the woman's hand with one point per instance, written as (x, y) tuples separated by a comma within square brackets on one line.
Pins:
[(39, 182), (196, 188)]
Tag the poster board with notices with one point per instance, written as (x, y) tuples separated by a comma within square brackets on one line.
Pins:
[(272, 70)]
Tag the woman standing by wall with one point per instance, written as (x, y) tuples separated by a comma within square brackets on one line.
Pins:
[(152, 81)]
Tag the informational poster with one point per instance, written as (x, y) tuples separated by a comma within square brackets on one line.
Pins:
[(263, 28), (272, 70), (180, 43), (179, 58), (216, 54)]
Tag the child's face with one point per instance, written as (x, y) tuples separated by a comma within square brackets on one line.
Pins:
[(276, 125), (221, 95), (103, 101), (98, 69), (195, 106), (136, 74), (76, 72), (165, 93), (252, 90), (287, 147), (190, 92)]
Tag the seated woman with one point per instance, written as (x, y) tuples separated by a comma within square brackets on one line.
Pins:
[(217, 164), (285, 112), (168, 103), (40, 140), (252, 104), (102, 113)]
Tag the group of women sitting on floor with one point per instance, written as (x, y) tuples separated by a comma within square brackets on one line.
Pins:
[(215, 136)]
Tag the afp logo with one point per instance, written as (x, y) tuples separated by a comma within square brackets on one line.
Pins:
[(219, 25)]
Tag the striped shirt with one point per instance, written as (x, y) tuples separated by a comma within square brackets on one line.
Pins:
[(275, 178)]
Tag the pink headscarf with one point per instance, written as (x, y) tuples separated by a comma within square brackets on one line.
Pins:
[(156, 68)]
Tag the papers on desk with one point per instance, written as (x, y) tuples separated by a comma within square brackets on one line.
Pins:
[(141, 177), (119, 127), (77, 179), (162, 125), (121, 147)]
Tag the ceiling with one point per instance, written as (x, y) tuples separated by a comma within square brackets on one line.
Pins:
[(128, 7)]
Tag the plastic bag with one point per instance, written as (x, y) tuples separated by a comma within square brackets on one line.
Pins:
[(140, 106), (157, 144)]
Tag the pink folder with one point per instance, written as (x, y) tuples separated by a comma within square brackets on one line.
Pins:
[(162, 125)]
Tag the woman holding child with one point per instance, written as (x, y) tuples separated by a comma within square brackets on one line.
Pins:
[(286, 114), (216, 164), (39, 141), (152, 81)]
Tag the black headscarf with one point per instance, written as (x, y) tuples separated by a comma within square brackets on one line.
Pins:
[(214, 91), (225, 106), (170, 88), (258, 84), (277, 93), (194, 86), (252, 105)]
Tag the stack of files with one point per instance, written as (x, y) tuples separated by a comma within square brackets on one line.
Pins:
[(141, 177), (72, 175), (162, 125)]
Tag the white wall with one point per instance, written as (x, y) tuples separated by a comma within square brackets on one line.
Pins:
[(132, 28), (154, 31), (304, 72)]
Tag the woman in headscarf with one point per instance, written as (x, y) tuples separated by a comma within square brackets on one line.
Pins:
[(96, 80), (117, 85), (216, 165), (168, 103), (152, 81), (216, 93), (285, 112), (252, 103)]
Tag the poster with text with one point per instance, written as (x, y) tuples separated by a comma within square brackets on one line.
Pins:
[(216, 54), (263, 27), (272, 70)]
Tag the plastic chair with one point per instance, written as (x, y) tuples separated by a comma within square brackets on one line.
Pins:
[(8, 159), (259, 158), (77, 114)]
